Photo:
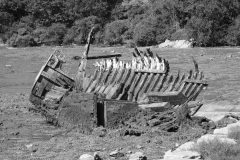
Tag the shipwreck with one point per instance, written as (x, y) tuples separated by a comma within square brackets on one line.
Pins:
[(116, 91)]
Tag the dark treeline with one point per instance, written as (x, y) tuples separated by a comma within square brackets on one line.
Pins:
[(143, 22)]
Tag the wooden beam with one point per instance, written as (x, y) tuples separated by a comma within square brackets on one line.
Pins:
[(105, 56), (196, 81), (149, 71)]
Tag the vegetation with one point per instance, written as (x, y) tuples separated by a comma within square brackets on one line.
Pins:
[(144, 22), (218, 150)]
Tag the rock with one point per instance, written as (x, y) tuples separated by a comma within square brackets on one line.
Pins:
[(221, 131), (186, 146), (137, 156), (210, 137), (86, 157), (182, 155), (96, 156), (227, 129), (116, 154)]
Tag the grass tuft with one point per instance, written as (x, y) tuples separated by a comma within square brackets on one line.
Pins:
[(234, 133), (217, 150)]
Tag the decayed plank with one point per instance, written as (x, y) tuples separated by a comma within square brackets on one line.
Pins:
[(124, 94), (173, 83), (83, 63), (125, 76), (114, 80), (150, 71), (112, 76), (196, 81), (195, 86), (105, 56), (94, 83), (139, 86), (96, 72), (189, 85), (146, 85), (115, 91), (160, 82), (102, 81), (154, 82), (179, 83), (133, 86), (183, 84), (167, 83)]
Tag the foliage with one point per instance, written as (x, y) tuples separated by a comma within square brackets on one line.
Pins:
[(79, 31), (147, 22), (114, 32)]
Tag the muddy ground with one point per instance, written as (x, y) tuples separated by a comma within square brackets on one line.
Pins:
[(25, 135)]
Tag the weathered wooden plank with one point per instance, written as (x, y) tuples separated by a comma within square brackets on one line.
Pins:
[(150, 71), (146, 85), (184, 84), (103, 81), (96, 73), (95, 82), (166, 83), (195, 86), (189, 85), (112, 76), (139, 86), (133, 86), (114, 80), (154, 82), (124, 95), (179, 83), (174, 97), (125, 76), (173, 83), (160, 82), (196, 81), (105, 56), (115, 91), (83, 63)]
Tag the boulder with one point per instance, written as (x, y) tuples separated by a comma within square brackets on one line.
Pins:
[(86, 157), (182, 155), (137, 156), (186, 146), (210, 137)]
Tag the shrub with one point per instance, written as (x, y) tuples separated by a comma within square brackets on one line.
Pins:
[(52, 35), (145, 32), (21, 35), (114, 32), (233, 36), (79, 31), (234, 133), (217, 150)]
